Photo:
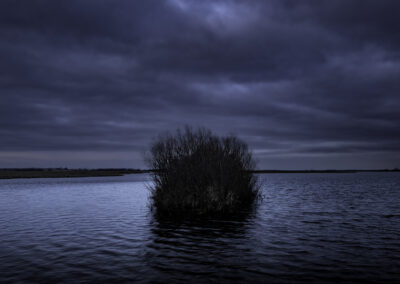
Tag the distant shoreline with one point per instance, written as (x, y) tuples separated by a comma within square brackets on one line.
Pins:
[(16, 173), (65, 173), (322, 171)]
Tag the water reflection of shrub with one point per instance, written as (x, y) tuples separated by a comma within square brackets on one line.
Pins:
[(224, 226), (180, 249), (198, 173)]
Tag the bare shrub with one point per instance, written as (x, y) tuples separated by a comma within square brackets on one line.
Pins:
[(196, 172)]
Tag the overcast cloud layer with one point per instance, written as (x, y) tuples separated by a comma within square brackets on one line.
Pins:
[(308, 84)]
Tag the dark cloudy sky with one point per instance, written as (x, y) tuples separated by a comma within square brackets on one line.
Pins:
[(307, 84)]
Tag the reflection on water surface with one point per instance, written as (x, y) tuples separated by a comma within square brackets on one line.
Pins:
[(320, 228)]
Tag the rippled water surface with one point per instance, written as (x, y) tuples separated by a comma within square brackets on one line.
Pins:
[(321, 228)]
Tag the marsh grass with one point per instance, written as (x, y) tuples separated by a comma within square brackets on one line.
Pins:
[(198, 173)]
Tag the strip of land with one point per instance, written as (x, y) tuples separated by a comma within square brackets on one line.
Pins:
[(70, 173), (65, 173), (320, 171)]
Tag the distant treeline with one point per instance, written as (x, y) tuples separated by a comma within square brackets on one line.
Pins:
[(67, 169), (9, 173)]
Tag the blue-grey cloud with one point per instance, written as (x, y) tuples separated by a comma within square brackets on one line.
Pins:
[(302, 82)]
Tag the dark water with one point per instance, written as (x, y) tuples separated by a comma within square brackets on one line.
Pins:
[(311, 228)]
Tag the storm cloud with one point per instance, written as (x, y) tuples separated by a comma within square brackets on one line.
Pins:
[(307, 84)]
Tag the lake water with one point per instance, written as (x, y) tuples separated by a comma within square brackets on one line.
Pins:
[(309, 228)]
